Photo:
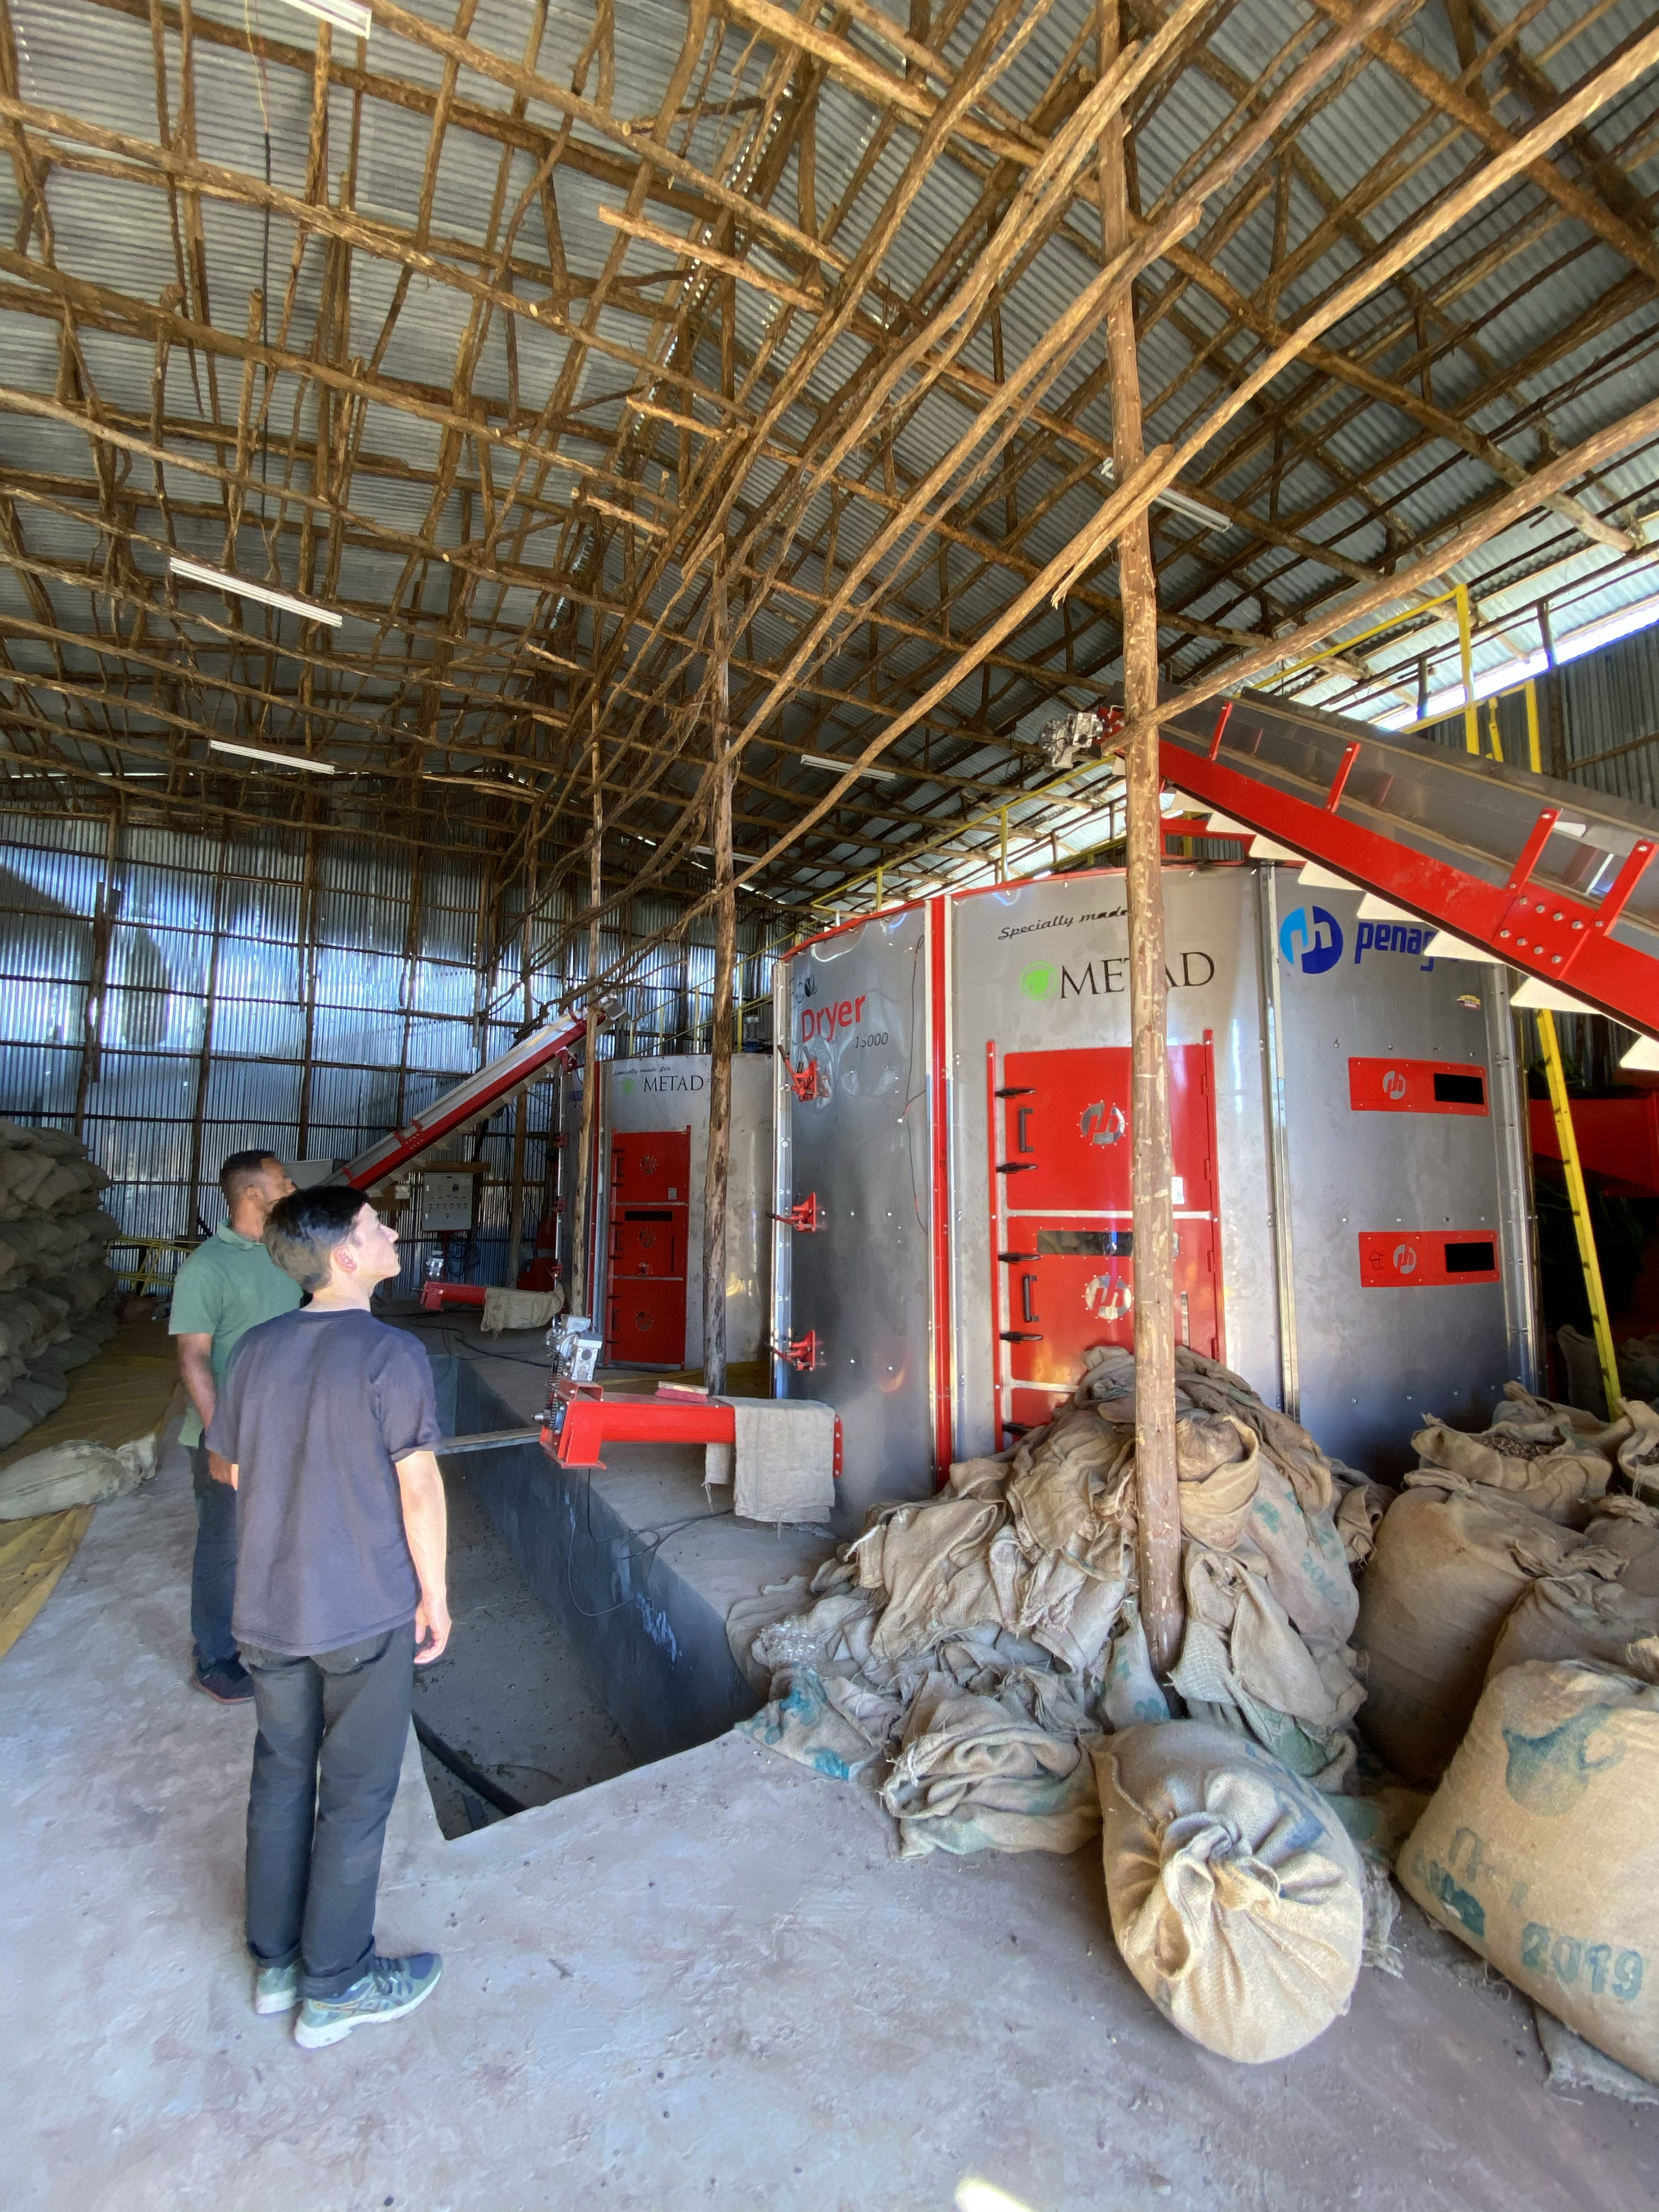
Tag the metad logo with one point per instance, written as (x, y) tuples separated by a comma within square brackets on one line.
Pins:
[(1320, 938), (628, 1086), (1040, 981)]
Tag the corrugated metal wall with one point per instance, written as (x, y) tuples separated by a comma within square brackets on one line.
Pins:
[(183, 997)]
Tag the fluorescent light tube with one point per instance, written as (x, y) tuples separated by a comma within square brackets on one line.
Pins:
[(282, 760), (841, 766), (307, 610), (1182, 502), (344, 15)]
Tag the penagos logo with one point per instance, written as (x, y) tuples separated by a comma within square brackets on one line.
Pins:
[(1316, 934)]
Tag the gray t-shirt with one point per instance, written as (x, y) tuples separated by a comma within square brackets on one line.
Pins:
[(316, 1406)]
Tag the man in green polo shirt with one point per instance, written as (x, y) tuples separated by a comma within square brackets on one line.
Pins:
[(224, 1287)]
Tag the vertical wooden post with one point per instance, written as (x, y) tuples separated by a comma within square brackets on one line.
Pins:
[(1157, 1482), (307, 950), (719, 1026), (582, 1222), (193, 1220), (1552, 696), (92, 1012), (521, 1104)]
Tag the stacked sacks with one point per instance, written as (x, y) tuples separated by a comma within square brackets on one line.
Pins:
[(1540, 1848), (53, 1237), (1484, 1519), (983, 1642)]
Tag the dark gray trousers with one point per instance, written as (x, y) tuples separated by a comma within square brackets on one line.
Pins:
[(213, 1571), (332, 1730)]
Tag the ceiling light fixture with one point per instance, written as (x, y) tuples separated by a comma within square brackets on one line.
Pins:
[(196, 572), (1182, 502), (281, 760), (344, 15), (842, 767)]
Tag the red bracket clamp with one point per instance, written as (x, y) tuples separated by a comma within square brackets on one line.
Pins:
[(803, 1353), (809, 1214), (804, 1083)]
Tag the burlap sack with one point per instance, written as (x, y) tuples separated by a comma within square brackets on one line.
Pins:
[(73, 1474), (1541, 1849), (1581, 1617), (1547, 1465), (1638, 1454), (1447, 1566), (1237, 1897), (1627, 1526), (1219, 1465)]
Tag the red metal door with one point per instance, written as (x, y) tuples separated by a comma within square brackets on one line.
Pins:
[(646, 1322), (1064, 1247), (645, 1288), (651, 1167)]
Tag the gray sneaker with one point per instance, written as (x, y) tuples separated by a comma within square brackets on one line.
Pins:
[(391, 1988), (276, 1988)]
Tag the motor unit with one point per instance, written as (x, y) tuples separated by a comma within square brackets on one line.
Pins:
[(952, 1165)]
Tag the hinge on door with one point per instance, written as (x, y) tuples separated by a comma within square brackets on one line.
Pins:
[(807, 1215), (803, 1353)]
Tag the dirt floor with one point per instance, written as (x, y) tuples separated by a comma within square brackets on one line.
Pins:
[(708, 1981)]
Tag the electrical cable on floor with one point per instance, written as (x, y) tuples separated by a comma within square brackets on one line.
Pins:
[(649, 1555), (465, 1772)]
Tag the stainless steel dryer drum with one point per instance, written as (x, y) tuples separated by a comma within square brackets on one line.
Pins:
[(1350, 1189), (653, 1149)]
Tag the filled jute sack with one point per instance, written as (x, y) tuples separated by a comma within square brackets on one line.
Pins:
[(1237, 1897), (73, 1473), (1581, 1617), (1630, 1528), (1448, 1567), (1541, 1849)]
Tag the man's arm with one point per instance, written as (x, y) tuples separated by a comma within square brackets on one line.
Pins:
[(195, 1370), (425, 1524)]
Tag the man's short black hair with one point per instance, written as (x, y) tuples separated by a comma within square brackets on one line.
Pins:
[(306, 1226), (242, 1169)]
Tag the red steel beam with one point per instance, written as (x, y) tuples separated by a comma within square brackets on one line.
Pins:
[(465, 1102)]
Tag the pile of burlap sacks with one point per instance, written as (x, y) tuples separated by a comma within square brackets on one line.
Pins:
[(978, 1661), (1509, 1623), (54, 1283)]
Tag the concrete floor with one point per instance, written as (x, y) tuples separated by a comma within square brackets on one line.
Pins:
[(707, 1982)]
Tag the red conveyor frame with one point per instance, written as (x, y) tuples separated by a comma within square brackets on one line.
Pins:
[(469, 1098), (1471, 846)]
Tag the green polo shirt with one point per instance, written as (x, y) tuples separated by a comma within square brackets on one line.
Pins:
[(224, 1289)]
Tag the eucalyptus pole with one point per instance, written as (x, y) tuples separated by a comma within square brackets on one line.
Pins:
[(719, 1026), (1157, 1481)]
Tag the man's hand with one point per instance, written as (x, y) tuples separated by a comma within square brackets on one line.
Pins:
[(431, 1619), (222, 1470)]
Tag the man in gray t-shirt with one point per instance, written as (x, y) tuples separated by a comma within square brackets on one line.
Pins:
[(326, 1421)]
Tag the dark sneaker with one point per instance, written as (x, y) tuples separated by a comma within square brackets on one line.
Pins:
[(391, 1988), (276, 1988), (227, 1679)]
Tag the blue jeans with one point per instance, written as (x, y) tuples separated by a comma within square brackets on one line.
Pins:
[(332, 1730), (213, 1576)]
